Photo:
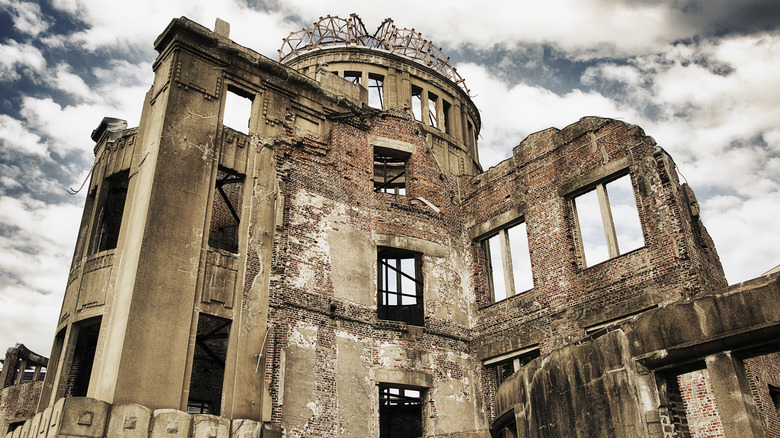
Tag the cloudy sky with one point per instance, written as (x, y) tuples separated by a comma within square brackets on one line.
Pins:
[(700, 76)]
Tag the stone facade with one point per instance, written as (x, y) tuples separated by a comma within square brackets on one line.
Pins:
[(338, 263)]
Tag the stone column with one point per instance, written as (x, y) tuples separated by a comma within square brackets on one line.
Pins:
[(736, 406)]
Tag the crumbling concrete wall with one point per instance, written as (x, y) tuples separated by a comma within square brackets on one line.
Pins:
[(620, 376)]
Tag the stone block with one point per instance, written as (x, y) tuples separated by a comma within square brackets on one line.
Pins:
[(129, 421), (80, 417), (246, 429), (43, 427), (35, 424), (210, 426), (170, 423), (56, 417)]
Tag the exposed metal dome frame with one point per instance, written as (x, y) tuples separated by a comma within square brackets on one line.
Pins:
[(335, 31)]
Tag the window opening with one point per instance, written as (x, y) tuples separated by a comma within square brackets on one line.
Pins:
[(446, 109), (238, 108), (607, 221), (505, 368), (400, 286), (226, 210), (110, 210), (433, 114), (376, 91), (417, 104), (353, 76), (400, 412), (80, 368), (508, 260), (197, 407), (208, 365), (470, 133), (390, 171)]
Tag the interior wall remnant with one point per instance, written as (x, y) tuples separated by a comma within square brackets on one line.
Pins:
[(109, 213), (80, 369), (208, 365), (226, 210)]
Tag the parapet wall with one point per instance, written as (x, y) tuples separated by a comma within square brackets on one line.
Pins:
[(87, 417)]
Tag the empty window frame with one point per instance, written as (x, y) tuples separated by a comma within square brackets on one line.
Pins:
[(376, 91), (400, 286), (226, 210), (238, 108), (433, 110), (417, 103), (504, 367), (607, 221), (390, 170), (470, 139), (109, 213), (208, 365), (446, 113), (400, 412), (353, 76), (79, 369), (508, 262)]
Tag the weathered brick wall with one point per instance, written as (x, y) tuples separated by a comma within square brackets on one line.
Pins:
[(537, 182), (701, 410), (764, 371), (336, 336)]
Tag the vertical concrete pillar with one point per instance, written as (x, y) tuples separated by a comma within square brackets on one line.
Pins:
[(737, 409)]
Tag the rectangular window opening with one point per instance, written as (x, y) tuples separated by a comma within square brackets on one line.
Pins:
[(208, 365), (508, 260), (238, 108), (80, 366), (417, 103), (447, 109), (226, 210), (509, 365), (607, 221), (470, 135), (433, 110), (390, 171), (400, 286), (353, 76), (109, 213), (400, 412), (376, 91)]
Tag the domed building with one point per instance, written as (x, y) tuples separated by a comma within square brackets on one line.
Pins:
[(310, 247)]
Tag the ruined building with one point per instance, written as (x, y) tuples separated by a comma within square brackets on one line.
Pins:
[(334, 261)]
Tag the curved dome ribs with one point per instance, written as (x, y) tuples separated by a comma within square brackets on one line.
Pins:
[(335, 31)]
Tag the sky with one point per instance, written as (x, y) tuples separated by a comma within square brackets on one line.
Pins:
[(699, 76)]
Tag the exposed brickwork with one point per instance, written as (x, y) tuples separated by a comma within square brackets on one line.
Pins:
[(701, 409), (764, 371), (19, 402)]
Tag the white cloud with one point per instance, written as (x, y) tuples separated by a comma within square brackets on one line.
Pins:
[(587, 28), (34, 266), (16, 139), (511, 112), (27, 16), (146, 19), (16, 57), (745, 233)]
